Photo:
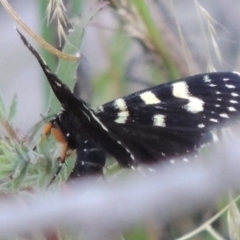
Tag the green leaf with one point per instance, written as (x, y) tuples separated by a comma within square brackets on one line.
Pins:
[(66, 70), (2, 108), (13, 108), (20, 177)]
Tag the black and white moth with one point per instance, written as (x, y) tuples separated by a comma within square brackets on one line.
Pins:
[(149, 126)]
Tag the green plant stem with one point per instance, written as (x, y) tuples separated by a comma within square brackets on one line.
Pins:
[(155, 37), (48, 34)]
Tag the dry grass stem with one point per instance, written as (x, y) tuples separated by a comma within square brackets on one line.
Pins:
[(233, 220), (214, 233), (136, 28), (133, 23), (205, 18), (212, 32), (56, 10), (192, 68), (41, 41), (205, 225)]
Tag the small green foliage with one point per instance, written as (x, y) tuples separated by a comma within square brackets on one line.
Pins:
[(2, 108), (67, 69), (12, 108), (9, 114), (138, 232), (13, 164)]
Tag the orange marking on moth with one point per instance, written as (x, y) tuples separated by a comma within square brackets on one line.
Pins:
[(50, 128), (58, 134), (47, 129)]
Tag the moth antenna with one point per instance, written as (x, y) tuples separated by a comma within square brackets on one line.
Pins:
[(61, 90)]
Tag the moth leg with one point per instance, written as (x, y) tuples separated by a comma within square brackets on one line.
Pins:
[(52, 128), (61, 160), (47, 131)]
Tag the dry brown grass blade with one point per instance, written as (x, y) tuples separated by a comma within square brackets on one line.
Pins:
[(206, 19), (41, 41)]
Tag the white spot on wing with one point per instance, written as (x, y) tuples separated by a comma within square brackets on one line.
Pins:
[(195, 105), (235, 94), (180, 90), (230, 86), (232, 109), (122, 117), (226, 79), (201, 125), (212, 85), (206, 79), (120, 104), (233, 101), (213, 120), (149, 98), (223, 115), (123, 113), (159, 120)]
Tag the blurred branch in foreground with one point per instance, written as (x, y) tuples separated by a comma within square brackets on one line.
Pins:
[(172, 191)]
